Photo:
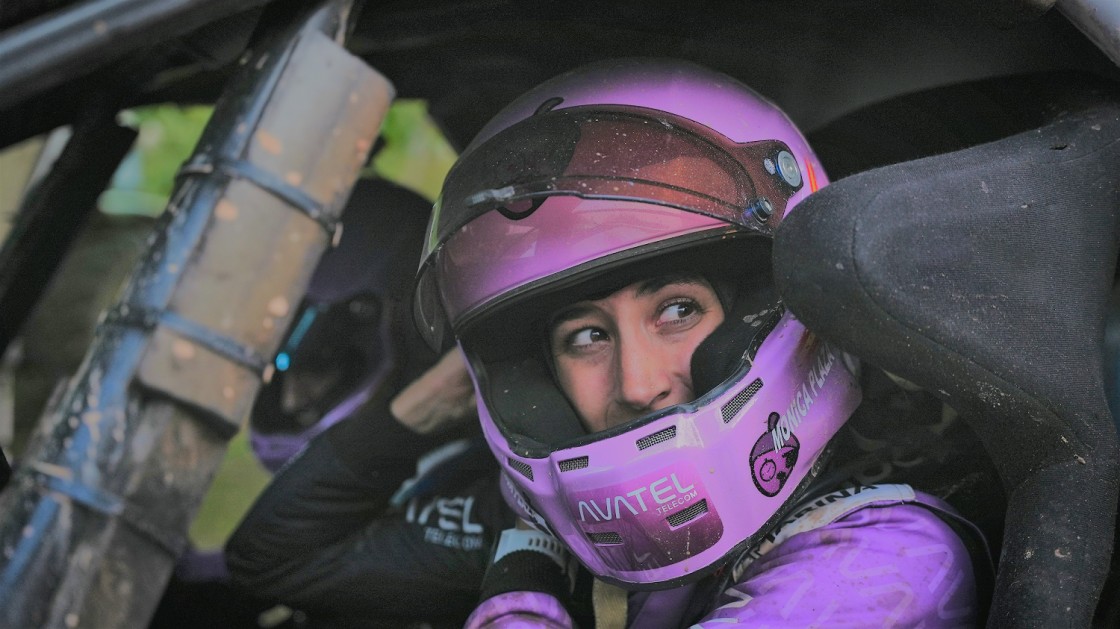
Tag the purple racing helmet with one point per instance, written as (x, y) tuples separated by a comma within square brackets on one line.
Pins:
[(603, 176), (340, 349)]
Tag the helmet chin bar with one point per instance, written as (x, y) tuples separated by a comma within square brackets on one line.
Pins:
[(668, 497), (519, 502)]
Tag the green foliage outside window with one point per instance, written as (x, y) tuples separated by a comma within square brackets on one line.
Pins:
[(414, 154)]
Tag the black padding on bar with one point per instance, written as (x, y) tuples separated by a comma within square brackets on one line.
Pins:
[(983, 275)]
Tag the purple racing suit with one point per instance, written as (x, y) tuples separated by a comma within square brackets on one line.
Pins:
[(869, 556)]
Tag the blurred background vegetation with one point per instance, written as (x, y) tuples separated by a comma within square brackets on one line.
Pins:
[(412, 153)]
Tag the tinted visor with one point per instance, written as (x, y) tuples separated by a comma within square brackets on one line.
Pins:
[(623, 153), (618, 153)]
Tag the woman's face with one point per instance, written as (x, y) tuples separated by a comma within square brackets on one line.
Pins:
[(630, 353)]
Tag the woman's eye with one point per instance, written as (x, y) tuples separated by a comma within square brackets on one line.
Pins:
[(677, 312), (586, 337)]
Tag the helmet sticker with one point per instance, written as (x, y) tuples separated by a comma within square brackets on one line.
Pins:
[(772, 461), (775, 452), (657, 519)]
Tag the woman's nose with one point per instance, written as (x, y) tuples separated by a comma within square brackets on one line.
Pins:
[(645, 382)]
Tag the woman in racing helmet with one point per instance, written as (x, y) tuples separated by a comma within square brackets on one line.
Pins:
[(601, 255)]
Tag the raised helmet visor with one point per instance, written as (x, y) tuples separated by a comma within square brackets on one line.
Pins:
[(618, 153)]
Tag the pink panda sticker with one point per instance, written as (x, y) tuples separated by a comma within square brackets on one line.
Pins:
[(770, 465)]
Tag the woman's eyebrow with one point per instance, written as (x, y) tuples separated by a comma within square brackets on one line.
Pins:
[(572, 312), (645, 287), (655, 284)]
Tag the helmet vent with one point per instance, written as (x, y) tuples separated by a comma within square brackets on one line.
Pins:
[(688, 515), (604, 539), (657, 437), (732, 408), (521, 467), (577, 463)]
